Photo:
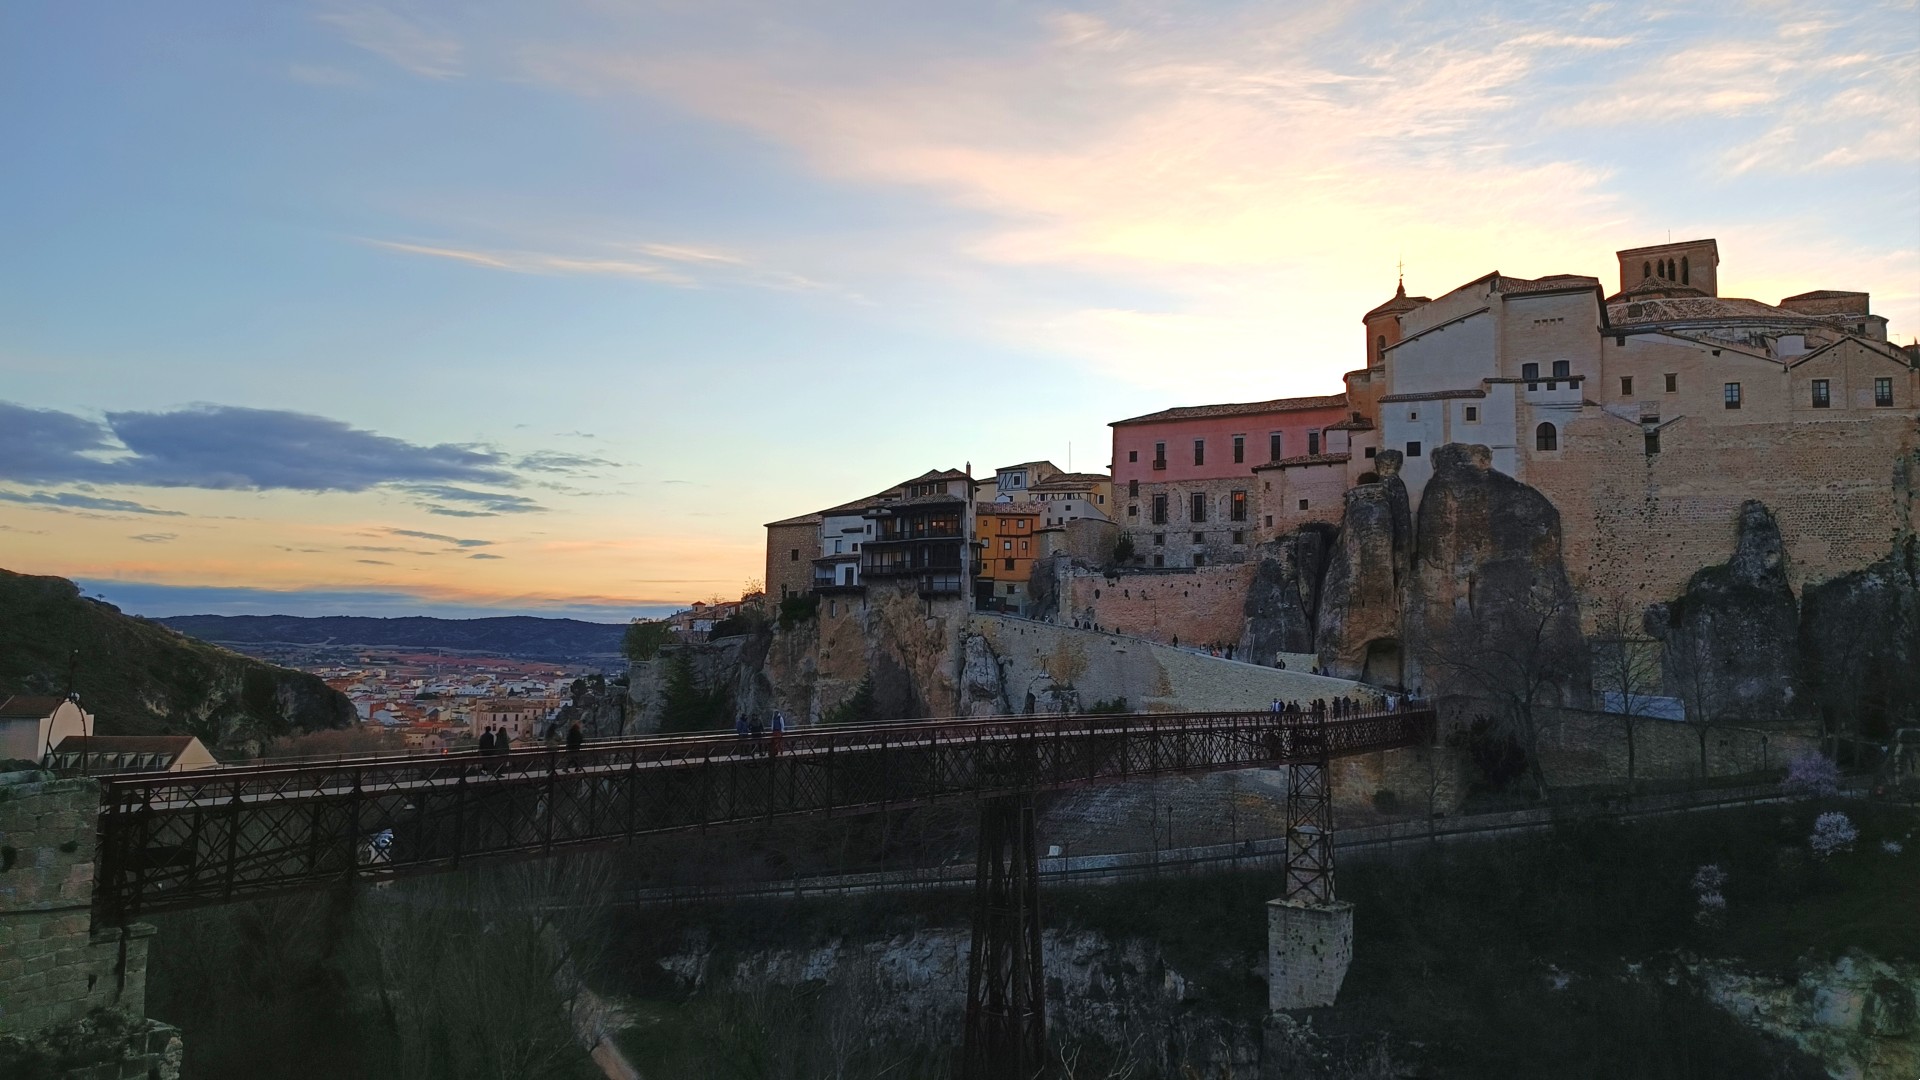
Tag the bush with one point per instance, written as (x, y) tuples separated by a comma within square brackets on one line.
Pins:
[(795, 610), (862, 708), (686, 704), (1498, 759), (1812, 775), (1107, 708), (645, 637), (1123, 551), (1832, 832)]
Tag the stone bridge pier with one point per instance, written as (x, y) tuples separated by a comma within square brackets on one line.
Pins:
[(72, 994)]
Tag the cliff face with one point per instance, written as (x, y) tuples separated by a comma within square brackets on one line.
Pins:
[(1860, 643), (1731, 640), (1359, 626), (1283, 603), (141, 678)]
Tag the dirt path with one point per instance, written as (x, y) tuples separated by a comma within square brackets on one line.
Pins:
[(594, 1022)]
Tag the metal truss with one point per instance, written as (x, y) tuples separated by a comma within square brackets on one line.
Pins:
[(1006, 1035), (1309, 858), (174, 840)]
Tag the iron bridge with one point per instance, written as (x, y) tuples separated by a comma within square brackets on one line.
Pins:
[(177, 840)]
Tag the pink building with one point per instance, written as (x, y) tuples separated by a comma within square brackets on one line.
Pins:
[(1184, 489)]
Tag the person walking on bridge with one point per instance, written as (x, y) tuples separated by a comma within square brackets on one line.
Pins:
[(779, 729), (574, 738), (486, 740)]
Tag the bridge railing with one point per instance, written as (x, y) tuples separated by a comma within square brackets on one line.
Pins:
[(178, 839)]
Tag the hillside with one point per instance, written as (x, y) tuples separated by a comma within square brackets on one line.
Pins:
[(140, 678), (521, 637)]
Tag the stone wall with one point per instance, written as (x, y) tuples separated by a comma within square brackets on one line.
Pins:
[(1640, 524), (1173, 542), (1200, 606), (56, 968)]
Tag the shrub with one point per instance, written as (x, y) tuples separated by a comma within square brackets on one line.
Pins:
[(1832, 832), (1812, 775), (795, 610)]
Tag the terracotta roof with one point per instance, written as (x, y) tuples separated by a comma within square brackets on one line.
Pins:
[(1306, 459), (1513, 286), (171, 745), (29, 707), (1251, 408), (1400, 302), (1361, 424), (1070, 480), (1027, 465), (1826, 294), (1021, 509), (1673, 244), (1437, 395), (1695, 308), (803, 519)]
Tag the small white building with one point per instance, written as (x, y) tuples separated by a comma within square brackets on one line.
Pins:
[(32, 725)]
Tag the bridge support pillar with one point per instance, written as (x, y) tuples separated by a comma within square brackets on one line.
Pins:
[(56, 967), (1309, 933), (1006, 1037)]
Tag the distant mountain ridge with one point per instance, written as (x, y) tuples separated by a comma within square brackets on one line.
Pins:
[(143, 679), (517, 636)]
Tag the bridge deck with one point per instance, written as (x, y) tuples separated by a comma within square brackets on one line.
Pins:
[(172, 840)]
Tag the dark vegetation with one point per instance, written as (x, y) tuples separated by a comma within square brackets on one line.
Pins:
[(519, 636), (862, 707), (644, 638), (689, 701), (141, 678)]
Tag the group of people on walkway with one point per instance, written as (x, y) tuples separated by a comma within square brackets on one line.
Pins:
[(499, 742), (752, 729), (1326, 707)]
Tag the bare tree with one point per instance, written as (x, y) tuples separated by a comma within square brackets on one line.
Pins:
[(1692, 667), (1517, 652), (1626, 666)]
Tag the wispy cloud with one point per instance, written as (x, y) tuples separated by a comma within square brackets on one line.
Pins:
[(434, 497), (154, 538), (71, 500), (440, 537), (484, 555), (664, 264), (408, 41)]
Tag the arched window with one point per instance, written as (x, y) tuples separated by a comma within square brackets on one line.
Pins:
[(1684, 270), (1646, 270), (1379, 346), (1670, 274), (1546, 438)]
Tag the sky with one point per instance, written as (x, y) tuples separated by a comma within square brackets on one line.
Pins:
[(481, 308)]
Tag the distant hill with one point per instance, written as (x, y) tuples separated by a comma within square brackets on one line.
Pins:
[(521, 637), (139, 678)]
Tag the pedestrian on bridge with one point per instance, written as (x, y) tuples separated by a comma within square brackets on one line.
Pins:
[(574, 738), (779, 729), (486, 740)]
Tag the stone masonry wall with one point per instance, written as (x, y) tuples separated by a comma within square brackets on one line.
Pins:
[(1201, 606), (1639, 525), (1173, 541), (53, 967)]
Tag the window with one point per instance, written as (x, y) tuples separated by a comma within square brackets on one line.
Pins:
[(1199, 558), (1199, 451), (1023, 523), (1009, 563), (1237, 506), (1159, 455), (1239, 538), (1673, 382), (1313, 442), (1133, 455), (1303, 504), (1562, 368), (1006, 545), (1010, 589), (1731, 395), (1159, 560), (1883, 393), (1199, 506), (1653, 443), (794, 555), (1134, 510), (1530, 372), (1159, 539), (1821, 398), (1023, 543), (1269, 521), (1239, 449), (1684, 270), (1646, 270), (1626, 386), (1369, 451), (1473, 416), (1546, 438), (1159, 509), (1413, 414), (1199, 538), (1133, 489), (1413, 449), (1273, 446)]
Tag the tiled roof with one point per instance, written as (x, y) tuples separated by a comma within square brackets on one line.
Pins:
[(1513, 286), (1011, 509), (29, 707), (1251, 408), (1070, 480), (803, 519), (1361, 424), (1400, 302), (1691, 308), (1672, 244), (171, 745), (1435, 395), (1306, 459), (1826, 294)]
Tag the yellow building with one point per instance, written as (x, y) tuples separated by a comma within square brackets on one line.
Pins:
[(1005, 533)]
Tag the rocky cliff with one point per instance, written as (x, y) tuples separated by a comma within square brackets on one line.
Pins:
[(139, 678)]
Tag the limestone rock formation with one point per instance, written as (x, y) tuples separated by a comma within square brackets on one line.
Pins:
[(1731, 639), (1284, 600), (1359, 631), (1487, 550), (1860, 646), (981, 691)]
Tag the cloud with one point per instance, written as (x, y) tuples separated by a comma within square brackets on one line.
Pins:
[(69, 500), (373, 562), (159, 600), (410, 43), (665, 264), (484, 555), (554, 461), (433, 498), (441, 537), (226, 447), (154, 538)]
